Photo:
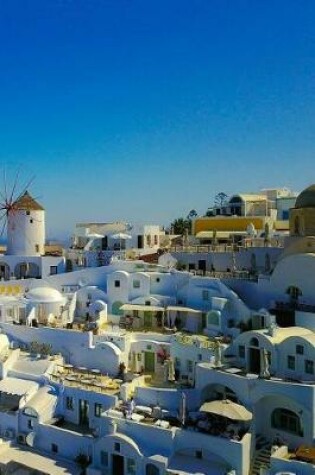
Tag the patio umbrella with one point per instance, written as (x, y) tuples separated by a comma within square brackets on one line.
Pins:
[(121, 237), (228, 409), (182, 409), (171, 370)]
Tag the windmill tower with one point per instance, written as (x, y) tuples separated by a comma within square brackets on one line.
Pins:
[(25, 227)]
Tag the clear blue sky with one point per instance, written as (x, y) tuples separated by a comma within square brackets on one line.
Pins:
[(143, 109)]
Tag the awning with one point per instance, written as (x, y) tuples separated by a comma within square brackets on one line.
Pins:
[(16, 386), (228, 409), (177, 308), (129, 307)]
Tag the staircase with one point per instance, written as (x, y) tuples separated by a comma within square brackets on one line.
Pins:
[(261, 457)]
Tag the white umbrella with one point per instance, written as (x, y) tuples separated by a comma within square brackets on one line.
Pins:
[(228, 409), (120, 236), (265, 366), (171, 370), (182, 409)]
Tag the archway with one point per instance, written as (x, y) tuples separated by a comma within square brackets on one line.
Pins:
[(27, 270), (4, 271)]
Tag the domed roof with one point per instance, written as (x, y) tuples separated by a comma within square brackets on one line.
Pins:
[(44, 295), (27, 202), (306, 198)]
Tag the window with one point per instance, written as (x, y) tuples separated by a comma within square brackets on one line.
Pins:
[(131, 466), (198, 454), (36, 247), (291, 362), (136, 284), (205, 295), (151, 469), (54, 448), (30, 424), (31, 221), (241, 351), (117, 447), (156, 240), (53, 270), (97, 409), (28, 213), (309, 366), (286, 420), (158, 279), (104, 458), (214, 318), (199, 357), (299, 349), (117, 283), (139, 356), (254, 342), (189, 366), (69, 403)]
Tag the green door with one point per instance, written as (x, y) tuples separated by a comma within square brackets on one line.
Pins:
[(147, 319), (149, 362)]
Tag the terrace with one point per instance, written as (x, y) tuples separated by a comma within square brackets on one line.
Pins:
[(212, 424), (83, 378)]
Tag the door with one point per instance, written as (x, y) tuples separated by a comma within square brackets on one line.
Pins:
[(254, 360), (84, 412), (118, 465), (147, 319), (202, 265), (140, 242), (149, 362)]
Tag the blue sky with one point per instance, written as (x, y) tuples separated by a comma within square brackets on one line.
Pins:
[(143, 109)]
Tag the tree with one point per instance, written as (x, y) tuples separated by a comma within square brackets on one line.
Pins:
[(180, 225), (192, 214), (220, 199)]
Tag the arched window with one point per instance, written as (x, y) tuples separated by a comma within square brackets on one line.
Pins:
[(214, 317), (151, 469), (287, 421), (294, 292), (254, 342)]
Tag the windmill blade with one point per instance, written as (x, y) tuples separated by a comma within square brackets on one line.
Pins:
[(16, 179), (4, 224), (5, 184), (24, 189)]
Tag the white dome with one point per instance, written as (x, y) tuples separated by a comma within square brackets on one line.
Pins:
[(44, 295)]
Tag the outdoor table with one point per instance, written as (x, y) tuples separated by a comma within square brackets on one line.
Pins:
[(96, 373), (137, 417), (144, 409), (67, 367), (306, 454)]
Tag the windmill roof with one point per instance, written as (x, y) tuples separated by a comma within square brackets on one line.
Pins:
[(27, 202)]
